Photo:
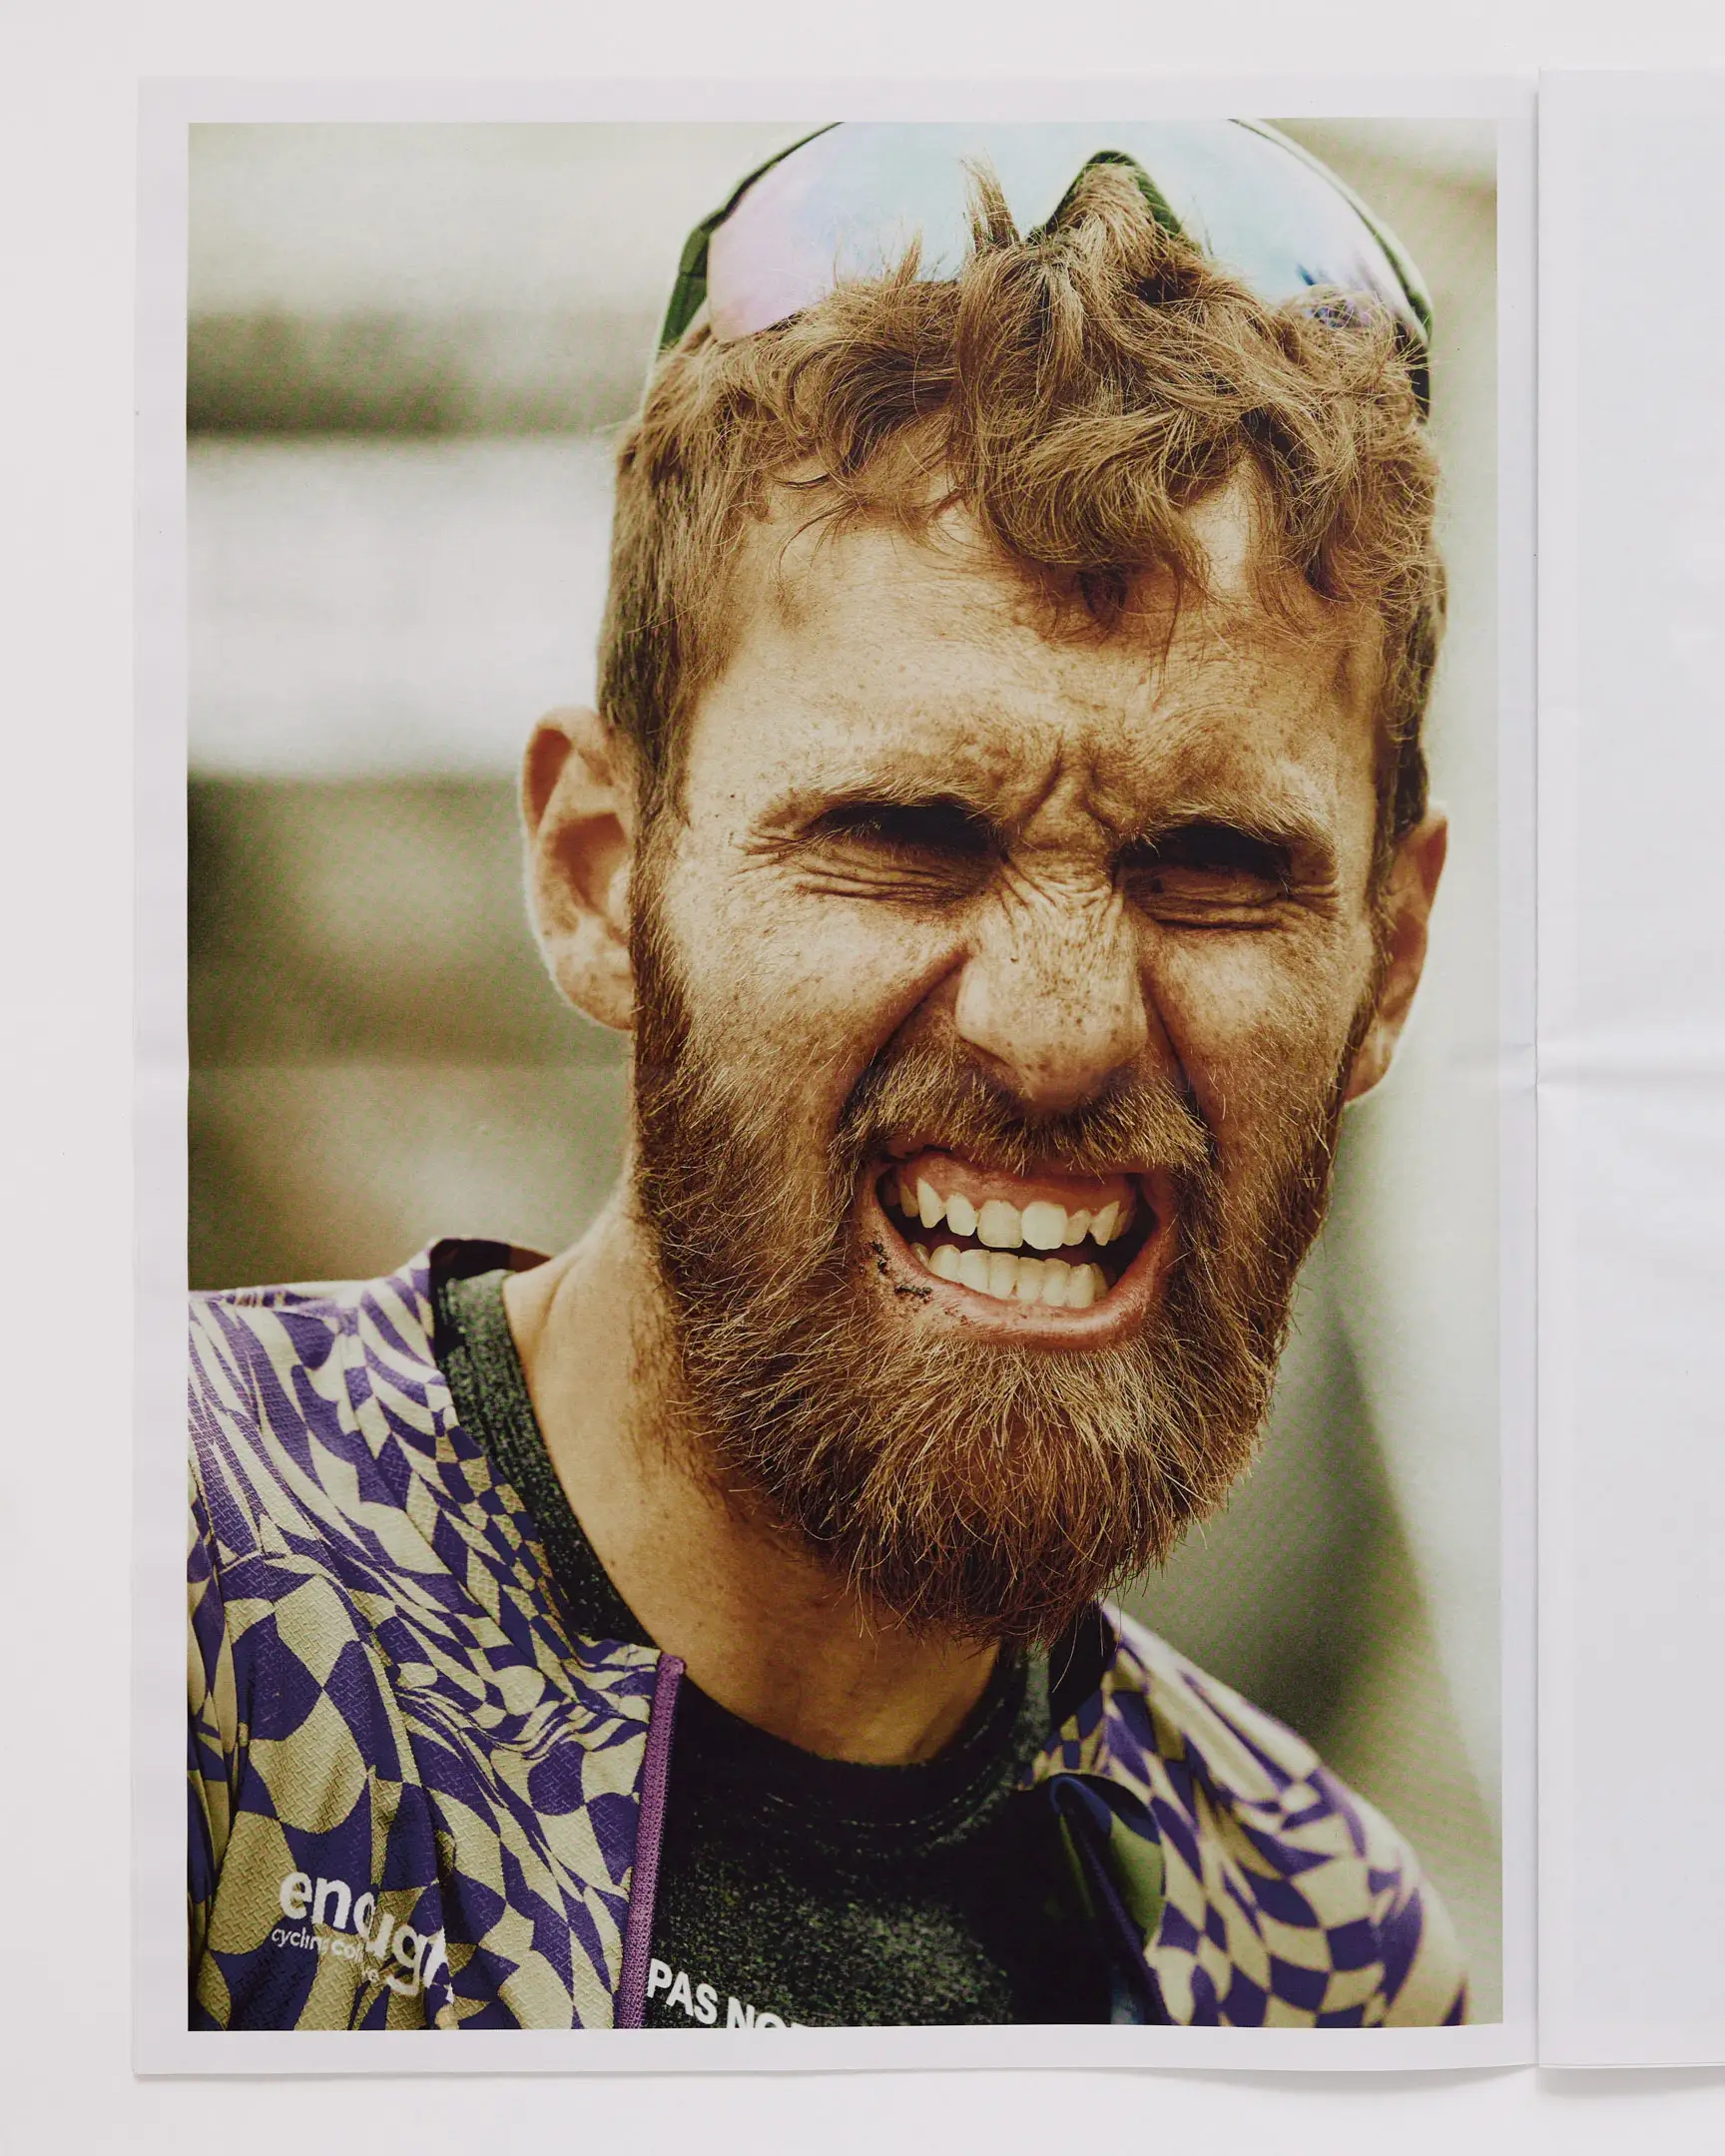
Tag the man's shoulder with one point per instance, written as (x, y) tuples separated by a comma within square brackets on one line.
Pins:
[(1279, 1879), (1243, 1755), (306, 1322), (317, 1354), (386, 1705), (332, 1383)]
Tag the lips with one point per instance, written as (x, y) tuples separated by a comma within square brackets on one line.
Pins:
[(1070, 1259)]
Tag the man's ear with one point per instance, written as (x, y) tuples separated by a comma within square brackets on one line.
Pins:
[(578, 803), (1406, 903)]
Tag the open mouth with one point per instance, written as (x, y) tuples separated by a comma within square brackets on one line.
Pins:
[(1047, 1249)]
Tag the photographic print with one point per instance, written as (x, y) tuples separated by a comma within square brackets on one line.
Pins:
[(845, 978)]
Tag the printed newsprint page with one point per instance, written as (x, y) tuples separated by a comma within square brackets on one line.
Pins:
[(1632, 1058), (837, 954)]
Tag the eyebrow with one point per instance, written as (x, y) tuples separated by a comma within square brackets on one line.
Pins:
[(1281, 828), (831, 809), (1285, 831)]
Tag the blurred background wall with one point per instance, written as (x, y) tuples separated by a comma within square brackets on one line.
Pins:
[(408, 348)]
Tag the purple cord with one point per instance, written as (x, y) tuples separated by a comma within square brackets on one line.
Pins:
[(649, 1834)]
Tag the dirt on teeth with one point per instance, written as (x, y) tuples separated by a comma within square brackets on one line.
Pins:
[(1046, 1281)]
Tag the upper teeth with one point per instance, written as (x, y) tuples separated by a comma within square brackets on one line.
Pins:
[(1043, 1224)]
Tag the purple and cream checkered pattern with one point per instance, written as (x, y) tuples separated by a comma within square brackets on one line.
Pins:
[(415, 1799)]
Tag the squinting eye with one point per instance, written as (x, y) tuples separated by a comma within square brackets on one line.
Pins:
[(941, 827), (1207, 869), (1238, 887)]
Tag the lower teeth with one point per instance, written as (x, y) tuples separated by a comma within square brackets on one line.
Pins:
[(1046, 1281)]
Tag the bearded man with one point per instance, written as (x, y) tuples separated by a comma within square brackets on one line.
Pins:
[(1005, 835)]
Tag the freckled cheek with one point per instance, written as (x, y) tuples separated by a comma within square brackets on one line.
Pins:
[(1250, 1024), (810, 996)]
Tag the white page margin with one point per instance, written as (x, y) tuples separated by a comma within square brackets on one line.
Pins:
[(1631, 1057)]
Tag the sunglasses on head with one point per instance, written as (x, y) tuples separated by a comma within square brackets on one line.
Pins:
[(848, 202)]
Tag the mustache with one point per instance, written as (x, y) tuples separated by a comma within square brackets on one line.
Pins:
[(948, 1101), (976, 1490)]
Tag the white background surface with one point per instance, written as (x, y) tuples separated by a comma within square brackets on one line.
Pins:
[(67, 78), (1633, 760)]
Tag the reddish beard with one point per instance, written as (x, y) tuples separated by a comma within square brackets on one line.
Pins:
[(988, 1491)]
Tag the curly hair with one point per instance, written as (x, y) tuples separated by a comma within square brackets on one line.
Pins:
[(1077, 391)]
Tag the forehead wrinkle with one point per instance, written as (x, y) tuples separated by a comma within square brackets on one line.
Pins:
[(1130, 772), (908, 769), (1213, 685), (818, 574), (993, 713), (1193, 767)]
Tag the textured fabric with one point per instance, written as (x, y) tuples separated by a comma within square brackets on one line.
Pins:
[(414, 1796), (830, 1900), (811, 1890), (385, 1704), (476, 1353), (1286, 1900)]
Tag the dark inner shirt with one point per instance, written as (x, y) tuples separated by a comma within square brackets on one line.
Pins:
[(813, 1889)]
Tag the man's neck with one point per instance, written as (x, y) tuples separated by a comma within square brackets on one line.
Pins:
[(761, 1626)]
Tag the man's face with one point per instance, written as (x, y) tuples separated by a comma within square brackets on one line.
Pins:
[(995, 1002)]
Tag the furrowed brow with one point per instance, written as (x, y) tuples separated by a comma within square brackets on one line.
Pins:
[(834, 808), (1279, 830)]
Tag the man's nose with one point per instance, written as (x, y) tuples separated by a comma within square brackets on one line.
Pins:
[(1055, 1003)]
